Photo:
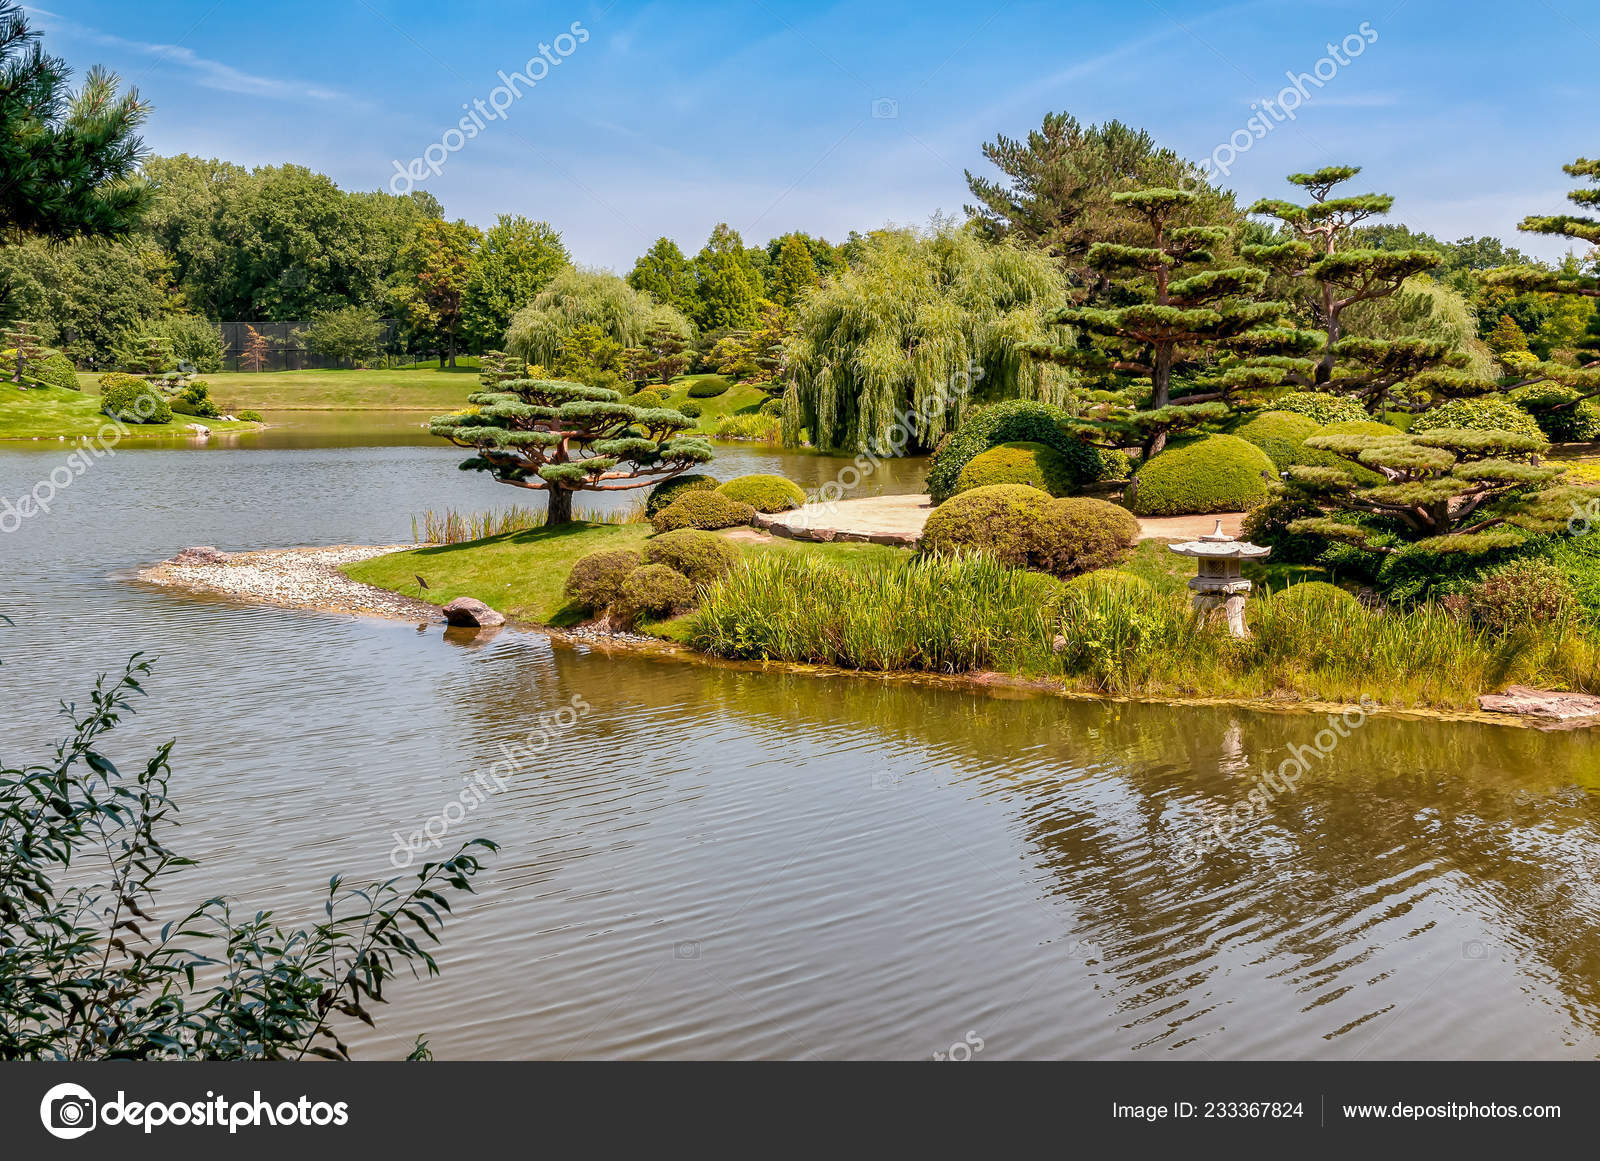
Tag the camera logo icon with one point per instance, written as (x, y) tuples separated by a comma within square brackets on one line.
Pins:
[(68, 1111), (885, 109)]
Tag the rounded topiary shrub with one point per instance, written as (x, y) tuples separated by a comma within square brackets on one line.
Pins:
[(195, 399), (654, 590), (771, 407), (251, 416), (56, 370), (708, 388), (1001, 520), (1486, 413), (692, 409), (1281, 434), (1321, 407), (1313, 596), (1075, 535), (1014, 421), (132, 400), (1033, 464), (710, 510), (1579, 423), (1219, 473), (764, 493), (596, 580), (667, 491), (703, 557), (646, 398)]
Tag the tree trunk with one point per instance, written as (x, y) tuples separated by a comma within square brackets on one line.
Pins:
[(452, 352), (1330, 321), (560, 511)]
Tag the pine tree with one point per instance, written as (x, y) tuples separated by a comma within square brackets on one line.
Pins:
[(563, 438), (1184, 314), (795, 272), (497, 367), (256, 349), (24, 340), (727, 292), (669, 353), (1507, 341), (1340, 275), (663, 273)]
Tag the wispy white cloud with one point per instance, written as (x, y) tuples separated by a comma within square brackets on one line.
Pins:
[(207, 73)]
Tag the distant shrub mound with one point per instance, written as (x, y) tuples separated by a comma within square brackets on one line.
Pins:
[(1217, 473)]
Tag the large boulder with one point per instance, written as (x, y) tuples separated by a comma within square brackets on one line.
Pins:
[(471, 612)]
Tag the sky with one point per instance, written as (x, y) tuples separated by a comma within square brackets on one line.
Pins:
[(636, 120)]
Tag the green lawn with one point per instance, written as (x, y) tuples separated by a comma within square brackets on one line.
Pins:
[(521, 574), (48, 412), (410, 389)]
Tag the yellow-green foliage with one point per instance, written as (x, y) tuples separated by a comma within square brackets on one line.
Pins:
[(703, 557), (1281, 434), (1024, 527), (1033, 464), (654, 590), (764, 493), (667, 491), (1217, 473), (709, 510)]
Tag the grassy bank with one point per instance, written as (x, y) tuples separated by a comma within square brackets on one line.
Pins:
[(409, 389), (880, 609), (521, 574), (49, 412)]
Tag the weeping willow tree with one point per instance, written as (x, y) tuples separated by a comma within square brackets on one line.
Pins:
[(577, 298), (888, 355)]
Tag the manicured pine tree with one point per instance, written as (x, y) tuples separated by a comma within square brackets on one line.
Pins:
[(1183, 315), (1340, 275), (22, 339), (564, 438), (497, 367), (669, 353)]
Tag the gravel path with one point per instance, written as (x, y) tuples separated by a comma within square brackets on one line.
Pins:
[(300, 578)]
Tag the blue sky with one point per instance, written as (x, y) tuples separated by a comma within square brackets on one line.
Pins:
[(776, 116)]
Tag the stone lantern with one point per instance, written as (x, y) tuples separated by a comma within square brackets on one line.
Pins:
[(1219, 584)]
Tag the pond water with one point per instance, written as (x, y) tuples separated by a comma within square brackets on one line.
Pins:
[(717, 862)]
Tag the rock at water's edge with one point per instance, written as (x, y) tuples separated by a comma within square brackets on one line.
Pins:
[(471, 612), (1550, 705), (200, 554)]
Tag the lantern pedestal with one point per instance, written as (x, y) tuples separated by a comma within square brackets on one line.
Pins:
[(1219, 585)]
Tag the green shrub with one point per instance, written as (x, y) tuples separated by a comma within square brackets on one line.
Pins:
[(759, 428), (1078, 535), (1218, 473), (1312, 457), (654, 590), (251, 416), (1117, 464), (709, 510), (1268, 524), (771, 407), (56, 370), (195, 399), (1023, 527), (186, 337), (703, 557), (667, 491), (1314, 595), (646, 398), (132, 400), (1522, 592), (1579, 423), (1281, 434), (692, 409), (764, 493), (1033, 464), (708, 388), (1014, 421), (1321, 407), (1485, 413), (595, 581), (1001, 521)]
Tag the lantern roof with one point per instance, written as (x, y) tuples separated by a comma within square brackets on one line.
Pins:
[(1218, 544)]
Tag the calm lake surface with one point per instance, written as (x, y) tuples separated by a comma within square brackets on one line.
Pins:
[(729, 863)]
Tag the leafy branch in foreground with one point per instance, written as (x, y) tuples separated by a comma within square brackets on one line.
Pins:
[(89, 971)]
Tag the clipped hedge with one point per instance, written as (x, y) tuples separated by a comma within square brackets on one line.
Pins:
[(654, 590), (1281, 434), (1013, 421), (56, 370), (1321, 407), (1024, 527), (1485, 413), (764, 493), (130, 399), (1579, 423), (708, 388), (251, 416), (667, 491), (1033, 464), (709, 510), (596, 580), (1219, 473), (703, 557)]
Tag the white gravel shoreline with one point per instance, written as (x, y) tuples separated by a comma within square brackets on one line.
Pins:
[(301, 578)]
